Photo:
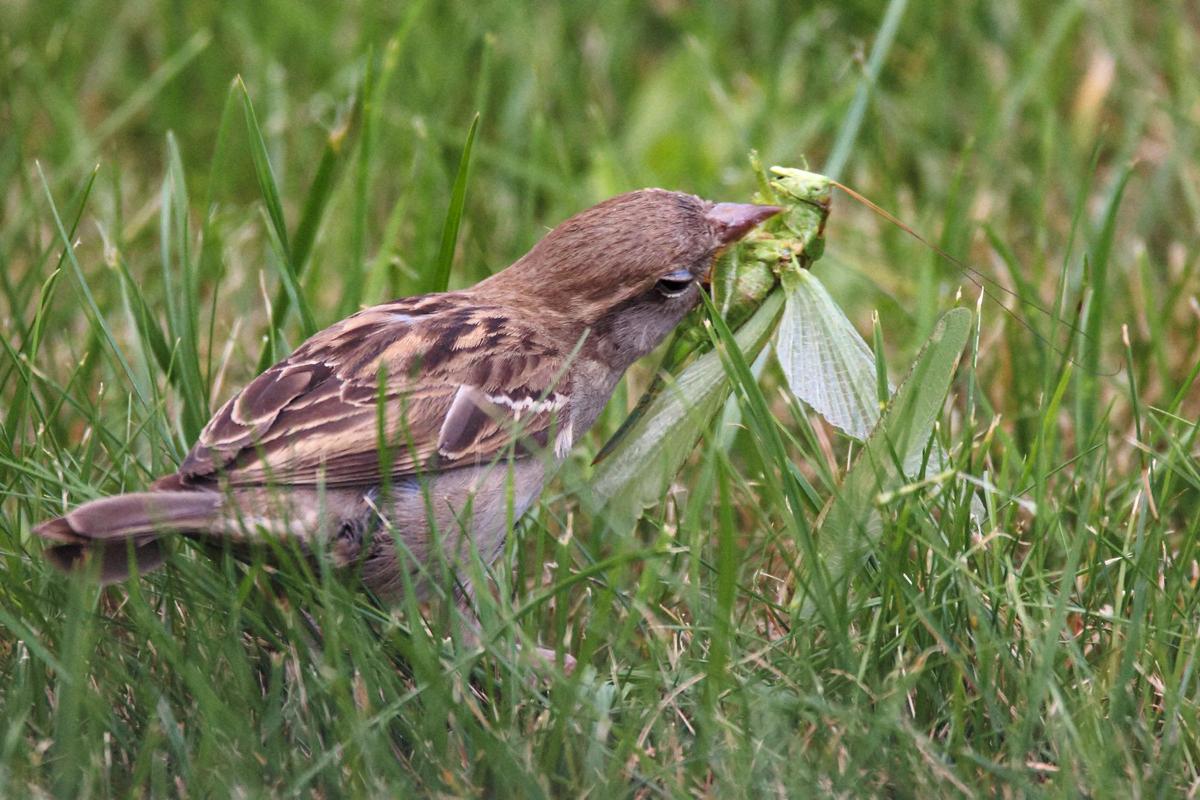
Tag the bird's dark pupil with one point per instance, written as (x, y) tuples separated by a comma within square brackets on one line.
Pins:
[(671, 286)]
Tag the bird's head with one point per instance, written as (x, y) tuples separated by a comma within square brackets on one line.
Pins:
[(629, 269)]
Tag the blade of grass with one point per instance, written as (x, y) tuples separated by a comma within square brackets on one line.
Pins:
[(1096, 311), (264, 173), (439, 280), (337, 144), (93, 310), (179, 282), (278, 229), (209, 262)]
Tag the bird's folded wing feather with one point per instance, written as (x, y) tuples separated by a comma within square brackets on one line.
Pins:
[(392, 390)]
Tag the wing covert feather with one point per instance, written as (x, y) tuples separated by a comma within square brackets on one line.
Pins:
[(450, 382)]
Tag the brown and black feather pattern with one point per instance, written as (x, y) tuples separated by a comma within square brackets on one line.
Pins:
[(314, 418)]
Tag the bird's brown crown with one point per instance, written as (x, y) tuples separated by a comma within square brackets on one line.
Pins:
[(603, 255)]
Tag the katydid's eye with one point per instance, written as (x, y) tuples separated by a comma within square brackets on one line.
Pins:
[(675, 283)]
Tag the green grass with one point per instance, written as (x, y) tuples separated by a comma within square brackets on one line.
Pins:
[(1050, 649)]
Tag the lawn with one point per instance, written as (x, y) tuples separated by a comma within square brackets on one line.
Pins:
[(189, 189)]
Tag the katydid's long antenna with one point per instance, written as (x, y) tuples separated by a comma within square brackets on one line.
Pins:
[(984, 282)]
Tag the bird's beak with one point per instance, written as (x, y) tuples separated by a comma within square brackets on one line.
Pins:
[(732, 221)]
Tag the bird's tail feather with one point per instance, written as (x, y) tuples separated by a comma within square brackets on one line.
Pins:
[(122, 532)]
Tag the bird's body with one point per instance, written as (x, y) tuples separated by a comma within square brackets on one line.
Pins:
[(422, 428), (296, 455)]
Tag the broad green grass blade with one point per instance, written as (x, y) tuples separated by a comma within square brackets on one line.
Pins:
[(183, 312), (288, 272), (338, 143), (209, 260), (1096, 317), (824, 359), (849, 524), (639, 470), (263, 171), (440, 279)]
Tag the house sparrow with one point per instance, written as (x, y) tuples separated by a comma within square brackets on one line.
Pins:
[(419, 425)]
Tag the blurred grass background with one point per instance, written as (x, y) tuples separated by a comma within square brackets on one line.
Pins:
[(1049, 650)]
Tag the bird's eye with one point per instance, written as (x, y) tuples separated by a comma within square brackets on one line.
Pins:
[(674, 283)]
